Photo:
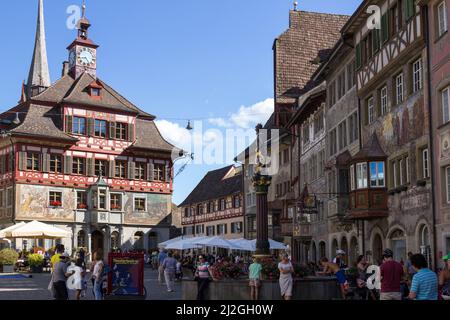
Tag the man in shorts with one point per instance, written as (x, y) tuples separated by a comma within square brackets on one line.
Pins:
[(333, 268)]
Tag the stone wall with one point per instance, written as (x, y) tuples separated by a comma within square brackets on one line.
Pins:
[(314, 288)]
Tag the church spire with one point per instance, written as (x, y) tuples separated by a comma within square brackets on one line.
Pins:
[(39, 75)]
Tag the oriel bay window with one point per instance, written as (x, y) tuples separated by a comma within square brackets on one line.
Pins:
[(368, 192), (159, 172)]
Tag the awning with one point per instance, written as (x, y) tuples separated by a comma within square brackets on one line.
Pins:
[(36, 229)]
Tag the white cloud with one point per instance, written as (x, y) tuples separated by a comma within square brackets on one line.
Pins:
[(247, 117)]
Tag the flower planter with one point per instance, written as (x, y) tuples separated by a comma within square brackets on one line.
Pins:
[(37, 269), (8, 269)]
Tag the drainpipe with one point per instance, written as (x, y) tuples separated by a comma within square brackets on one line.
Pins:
[(430, 123), (363, 224)]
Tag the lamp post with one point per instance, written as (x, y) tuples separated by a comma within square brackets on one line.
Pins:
[(261, 184)]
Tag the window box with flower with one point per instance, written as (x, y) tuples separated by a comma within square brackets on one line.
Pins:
[(82, 206), (55, 204)]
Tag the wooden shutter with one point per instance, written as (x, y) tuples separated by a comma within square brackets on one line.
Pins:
[(2, 164), (45, 159), (90, 167), (90, 127), (375, 40), (112, 168), (131, 168), (130, 132), (409, 9), (68, 165), (167, 172), (112, 130), (69, 124), (150, 172), (358, 56), (384, 27), (22, 160)]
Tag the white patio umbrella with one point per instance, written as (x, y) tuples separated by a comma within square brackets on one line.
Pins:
[(218, 243), (5, 233), (39, 230), (274, 245), (182, 245), (185, 238), (243, 244)]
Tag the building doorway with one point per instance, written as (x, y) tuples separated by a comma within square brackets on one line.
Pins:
[(97, 242), (377, 249)]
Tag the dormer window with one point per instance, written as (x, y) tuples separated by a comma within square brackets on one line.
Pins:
[(95, 90)]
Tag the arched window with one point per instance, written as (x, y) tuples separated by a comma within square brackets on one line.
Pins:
[(377, 249), (139, 240), (313, 252), (81, 239), (424, 242), (344, 247), (398, 245), (354, 250), (334, 248)]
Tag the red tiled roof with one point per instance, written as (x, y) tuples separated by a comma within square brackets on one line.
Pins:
[(310, 35)]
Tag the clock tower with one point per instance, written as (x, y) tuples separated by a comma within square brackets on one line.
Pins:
[(82, 52)]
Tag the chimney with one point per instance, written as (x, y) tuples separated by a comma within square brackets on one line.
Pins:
[(65, 69)]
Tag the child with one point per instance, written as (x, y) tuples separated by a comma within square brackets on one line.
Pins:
[(333, 268), (254, 273)]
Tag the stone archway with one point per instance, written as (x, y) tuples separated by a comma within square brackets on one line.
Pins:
[(322, 249), (334, 248), (344, 247), (98, 242), (138, 241), (377, 249), (354, 250)]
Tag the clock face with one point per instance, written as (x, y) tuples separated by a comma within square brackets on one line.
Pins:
[(86, 57)]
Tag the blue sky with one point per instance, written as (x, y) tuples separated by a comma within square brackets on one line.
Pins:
[(179, 60)]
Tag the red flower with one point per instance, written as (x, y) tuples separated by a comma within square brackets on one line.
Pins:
[(55, 203)]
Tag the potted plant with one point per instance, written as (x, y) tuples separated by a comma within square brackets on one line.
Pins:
[(36, 262), (8, 258)]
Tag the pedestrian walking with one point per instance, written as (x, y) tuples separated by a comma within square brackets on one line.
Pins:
[(391, 277), (425, 282), (161, 256), (60, 276), (254, 274), (97, 276), (202, 274), (286, 280), (179, 270), (444, 278), (169, 265)]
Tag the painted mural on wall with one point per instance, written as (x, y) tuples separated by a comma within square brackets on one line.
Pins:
[(401, 126), (33, 203), (158, 208)]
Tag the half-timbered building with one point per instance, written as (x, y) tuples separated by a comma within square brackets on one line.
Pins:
[(78, 155)]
